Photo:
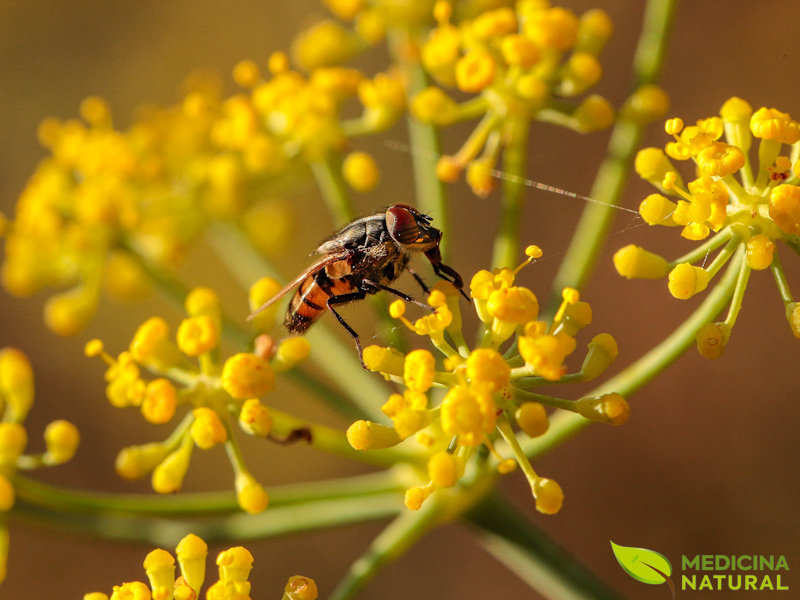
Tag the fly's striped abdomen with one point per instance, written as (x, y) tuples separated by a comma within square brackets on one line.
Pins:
[(311, 300)]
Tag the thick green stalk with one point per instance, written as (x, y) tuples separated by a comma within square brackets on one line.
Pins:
[(506, 243), (275, 521), (327, 173), (527, 551), (563, 424), (423, 139), (609, 183), (65, 500), (391, 543), (339, 361)]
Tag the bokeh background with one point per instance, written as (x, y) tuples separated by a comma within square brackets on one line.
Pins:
[(707, 463)]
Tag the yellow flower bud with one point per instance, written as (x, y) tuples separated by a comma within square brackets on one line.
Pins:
[(686, 280), (168, 475), (254, 418), (160, 401), (475, 71), (657, 210), (251, 495), (634, 262), (300, 588), (207, 429), (247, 376), (382, 359), (198, 335), (646, 104), (6, 497), (513, 304), (719, 160), (532, 88), (13, 439), (609, 408), (784, 208), (519, 51), (261, 291), (487, 367), (151, 345), (419, 370), (202, 301), (443, 469), (16, 383), (448, 169), (360, 171), (602, 353), (132, 590), (62, 439), (92, 595), (291, 351), (191, 552), (580, 72), (772, 124), (555, 28), (793, 316), (593, 114), (711, 340), (415, 497), (323, 45), (480, 176), (246, 73), (235, 564), (594, 29), (469, 414), (69, 312), (760, 250), (137, 461), (532, 418), (160, 568), (735, 110), (651, 164), (549, 496), (124, 278), (366, 435), (370, 26), (432, 105)]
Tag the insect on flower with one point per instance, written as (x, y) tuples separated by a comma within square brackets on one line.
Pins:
[(360, 259)]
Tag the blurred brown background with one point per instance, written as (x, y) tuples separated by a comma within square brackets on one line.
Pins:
[(706, 463)]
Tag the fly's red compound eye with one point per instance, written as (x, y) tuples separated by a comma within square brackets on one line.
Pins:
[(402, 225)]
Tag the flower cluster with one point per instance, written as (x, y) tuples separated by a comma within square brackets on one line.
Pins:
[(234, 566), (61, 437), (515, 62), (747, 214), (106, 200), (190, 372), (488, 389)]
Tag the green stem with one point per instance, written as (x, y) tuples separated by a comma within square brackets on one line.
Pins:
[(424, 141), (391, 543), (274, 521), (506, 244), (563, 424), (328, 176), (738, 296), (609, 183), (532, 555), (780, 279), (337, 360), (66, 500), (703, 249)]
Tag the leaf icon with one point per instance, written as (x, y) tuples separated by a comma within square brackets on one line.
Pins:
[(647, 566)]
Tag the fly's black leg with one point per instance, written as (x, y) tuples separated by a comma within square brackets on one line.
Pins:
[(442, 270), (425, 289), (343, 299), (370, 287)]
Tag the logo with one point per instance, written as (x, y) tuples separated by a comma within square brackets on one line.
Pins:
[(647, 566), (706, 572)]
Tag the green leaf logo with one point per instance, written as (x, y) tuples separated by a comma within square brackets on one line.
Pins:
[(647, 566)]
